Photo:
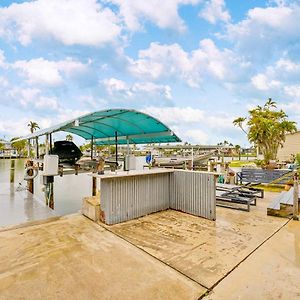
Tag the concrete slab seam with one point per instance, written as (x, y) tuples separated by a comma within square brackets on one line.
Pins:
[(246, 257), (176, 270)]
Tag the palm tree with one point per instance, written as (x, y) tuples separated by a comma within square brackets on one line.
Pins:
[(267, 128), (238, 150), (69, 137), (33, 126)]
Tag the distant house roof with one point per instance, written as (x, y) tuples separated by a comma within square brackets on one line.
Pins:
[(131, 125)]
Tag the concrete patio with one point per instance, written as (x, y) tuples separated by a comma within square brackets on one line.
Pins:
[(166, 255), (201, 249), (74, 258)]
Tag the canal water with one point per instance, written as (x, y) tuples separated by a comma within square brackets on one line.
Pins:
[(68, 190)]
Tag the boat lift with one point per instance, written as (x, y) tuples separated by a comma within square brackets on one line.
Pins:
[(105, 127)]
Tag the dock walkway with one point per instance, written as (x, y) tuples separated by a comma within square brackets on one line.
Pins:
[(17, 207), (165, 255)]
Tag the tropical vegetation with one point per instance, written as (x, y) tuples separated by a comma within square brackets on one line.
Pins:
[(33, 126), (69, 137), (266, 128), (20, 145)]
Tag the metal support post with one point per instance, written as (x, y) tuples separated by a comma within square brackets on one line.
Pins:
[(92, 147), (116, 143), (296, 197)]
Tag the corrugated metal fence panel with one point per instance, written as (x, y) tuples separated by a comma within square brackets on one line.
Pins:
[(128, 198), (194, 193)]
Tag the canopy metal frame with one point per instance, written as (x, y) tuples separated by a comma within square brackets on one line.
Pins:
[(122, 126)]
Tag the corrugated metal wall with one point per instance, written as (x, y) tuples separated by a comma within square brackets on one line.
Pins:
[(127, 198), (131, 197), (194, 193)]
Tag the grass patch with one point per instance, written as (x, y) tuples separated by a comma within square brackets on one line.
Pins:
[(277, 188), (239, 163)]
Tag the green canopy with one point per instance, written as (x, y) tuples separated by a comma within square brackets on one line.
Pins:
[(103, 126)]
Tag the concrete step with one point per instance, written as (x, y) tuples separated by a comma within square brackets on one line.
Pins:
[(282, 205)]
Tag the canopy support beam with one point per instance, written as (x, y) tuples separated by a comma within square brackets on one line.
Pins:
[(92, 147), (47, 144), (37, 148), (50, 142), (128, 150), (116, 143), (28, 148)]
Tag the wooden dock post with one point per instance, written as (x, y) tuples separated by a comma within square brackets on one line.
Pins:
[(12, 171), (296, 198), (30, 182)]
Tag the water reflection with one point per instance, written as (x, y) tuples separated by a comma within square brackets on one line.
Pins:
[(67, 191)]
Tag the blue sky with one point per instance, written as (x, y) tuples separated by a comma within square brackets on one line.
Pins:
[(194, 64)]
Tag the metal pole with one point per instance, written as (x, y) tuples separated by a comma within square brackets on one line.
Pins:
[(296, 197), (192, 158), (128, 150), (47, 144), (50, 142), (116, 142), (36, 147), (92, 147)]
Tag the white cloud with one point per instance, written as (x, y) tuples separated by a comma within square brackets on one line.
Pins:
[(117, 86), (288, 66), (18, 126), (279, 76), (292, 108), (266, 31), (32, 98), (3, 82), (262, 82), (193, 124), (215, 11), (2, 59), (293, 91), (189, 115), (152, 88), (197, 136), (45, 72), (164, 13), (76, 22), (160, 61), (113, 85), (92, 102)]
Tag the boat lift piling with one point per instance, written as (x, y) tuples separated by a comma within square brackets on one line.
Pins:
[(94, 179), (12, 171), (116, 144), (48, 181)]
